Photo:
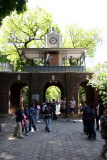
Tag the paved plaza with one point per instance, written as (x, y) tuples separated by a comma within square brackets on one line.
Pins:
[(64, 142)]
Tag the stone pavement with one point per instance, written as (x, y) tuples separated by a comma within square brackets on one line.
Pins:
[(64, 142)]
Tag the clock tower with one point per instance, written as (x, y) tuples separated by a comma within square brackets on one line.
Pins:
[(52, 40)]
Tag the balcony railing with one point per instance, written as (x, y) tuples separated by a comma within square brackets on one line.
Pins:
[(5, 67), (53, 68)]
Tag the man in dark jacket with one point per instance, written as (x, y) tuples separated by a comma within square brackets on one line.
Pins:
[(54, 109), (99, 113), (85, 109)]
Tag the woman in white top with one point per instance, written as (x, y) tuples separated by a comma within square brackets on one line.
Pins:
[(72, 105)]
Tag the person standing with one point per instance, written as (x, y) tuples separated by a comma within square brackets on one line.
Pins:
[(47, 114), (63, 109), (18, 129), (25, 123), (54, 109), (31, 118), (103, 120), (72, 105), (37, 110), (91, 123), (99, 110), (85, 109), (44, 106), (43, 110)]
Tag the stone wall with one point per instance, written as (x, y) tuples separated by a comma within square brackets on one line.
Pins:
[(38, 82)]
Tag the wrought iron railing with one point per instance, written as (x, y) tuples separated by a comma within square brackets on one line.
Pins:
[(53, 68)]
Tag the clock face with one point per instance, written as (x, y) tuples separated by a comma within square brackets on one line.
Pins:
[(53, 40)]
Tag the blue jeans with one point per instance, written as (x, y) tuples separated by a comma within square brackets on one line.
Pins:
[(32, 123), (25, 127), (47, 124)]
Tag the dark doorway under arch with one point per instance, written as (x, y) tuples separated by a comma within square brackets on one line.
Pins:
[(58, 84), (15, 95)]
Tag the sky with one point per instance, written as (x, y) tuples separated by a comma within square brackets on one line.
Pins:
[(85, 13)]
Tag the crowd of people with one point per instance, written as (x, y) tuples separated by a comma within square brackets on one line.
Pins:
[(91, 118), (27, 117)]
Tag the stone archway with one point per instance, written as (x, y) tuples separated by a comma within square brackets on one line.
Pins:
[(90, 93), (81, 94), (14, 95)]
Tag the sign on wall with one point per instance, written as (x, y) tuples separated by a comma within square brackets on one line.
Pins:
[(35, 97)]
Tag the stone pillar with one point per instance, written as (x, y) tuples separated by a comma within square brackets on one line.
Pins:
[(3, 95), (71, 90)]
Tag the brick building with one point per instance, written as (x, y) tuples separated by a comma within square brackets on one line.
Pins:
[(61, 67)]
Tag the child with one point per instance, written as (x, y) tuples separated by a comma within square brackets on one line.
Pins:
[(47, 118), (25, 117), (103, 120)]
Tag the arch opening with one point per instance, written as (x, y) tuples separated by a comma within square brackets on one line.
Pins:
[(24, 96), (53, 90), (18, 95), (81, 96), (55, 84)]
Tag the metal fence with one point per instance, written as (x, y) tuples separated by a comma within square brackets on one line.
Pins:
[(53, 68)]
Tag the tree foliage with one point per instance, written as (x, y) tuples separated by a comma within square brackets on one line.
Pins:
[(53, 92), (81, 94), (6, 7), (76, 37), (24, 94), (24, 31), (99, 80)]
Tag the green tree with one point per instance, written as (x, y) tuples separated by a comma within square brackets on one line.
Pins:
[(24, 94), (24, 31), (81, 94), (6, 7), (99, 80), (53, 92), (76, 37)]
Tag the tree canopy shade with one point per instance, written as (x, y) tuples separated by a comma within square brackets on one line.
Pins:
[(7, 6), (24, 31), (76, 37), (99, 80)]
